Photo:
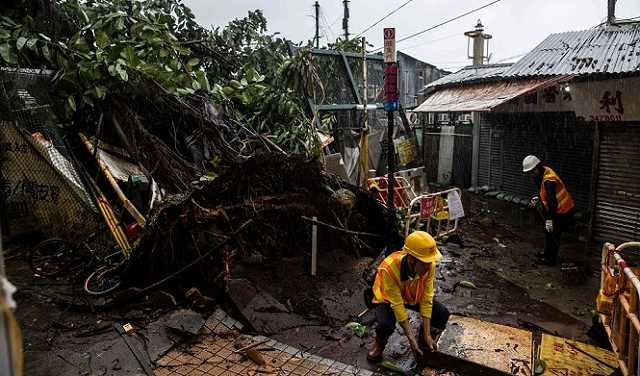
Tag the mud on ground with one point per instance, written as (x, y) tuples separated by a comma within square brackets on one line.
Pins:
[(60, 338)]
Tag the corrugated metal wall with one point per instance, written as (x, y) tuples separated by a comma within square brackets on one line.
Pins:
[(617, 213), (431, 150), (563, 144), (462, 156)]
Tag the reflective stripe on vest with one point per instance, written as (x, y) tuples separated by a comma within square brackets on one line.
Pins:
[(565, 201), (411, 289)]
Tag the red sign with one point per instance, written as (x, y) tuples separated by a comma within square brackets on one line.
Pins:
[(427, 206), (389, 33), (391, 82)]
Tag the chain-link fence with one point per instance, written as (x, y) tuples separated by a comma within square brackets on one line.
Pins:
[(41, 190)]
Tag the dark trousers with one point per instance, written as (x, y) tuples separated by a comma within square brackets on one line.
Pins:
[(562, 224), (386, 319)]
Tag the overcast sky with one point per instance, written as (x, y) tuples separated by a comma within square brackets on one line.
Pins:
[(516, 25)]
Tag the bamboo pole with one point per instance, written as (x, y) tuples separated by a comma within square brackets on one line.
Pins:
[(139, 218)]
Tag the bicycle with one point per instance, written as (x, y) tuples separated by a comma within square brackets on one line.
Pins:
[(56, 257)]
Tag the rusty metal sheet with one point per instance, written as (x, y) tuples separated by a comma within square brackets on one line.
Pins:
[(481, 97), (565, 357), (477, 347)]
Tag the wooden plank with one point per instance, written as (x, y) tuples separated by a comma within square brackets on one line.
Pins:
[(565, 357), (482, 348)]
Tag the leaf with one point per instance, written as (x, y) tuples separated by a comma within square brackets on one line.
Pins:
[(357, 329), (196, 85), (466, 284), (86, 99), (4, 34), (119, 25), (193, 62), (44, 37), (72, 102), (102, 39), (21, 42), (391, 367), (7, 54), (101, 91), (163, 53), (81, 44), (122, 72), (31, 43), (185, 91), (46, 53)]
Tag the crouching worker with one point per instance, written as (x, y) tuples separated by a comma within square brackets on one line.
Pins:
[(404, 280)]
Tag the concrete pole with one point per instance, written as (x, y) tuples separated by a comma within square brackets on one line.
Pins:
[(345, 20), (317, 38)]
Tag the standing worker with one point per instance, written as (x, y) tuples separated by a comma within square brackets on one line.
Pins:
[(405, 280), (557, 206)]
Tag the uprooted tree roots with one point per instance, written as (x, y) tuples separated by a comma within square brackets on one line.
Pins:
[(272, 190)]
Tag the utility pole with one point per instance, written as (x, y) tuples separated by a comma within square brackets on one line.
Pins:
[(611, 12), (390, 105), (364, 136), (317, 38), (345, 20)]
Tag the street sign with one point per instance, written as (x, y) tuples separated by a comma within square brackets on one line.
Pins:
[(391, 87), (390, 45)]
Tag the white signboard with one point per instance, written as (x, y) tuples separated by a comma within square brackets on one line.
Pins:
[(389, 45), (607, 100), (454, 203)]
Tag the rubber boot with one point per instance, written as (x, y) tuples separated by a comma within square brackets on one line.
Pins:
[(375, 354)]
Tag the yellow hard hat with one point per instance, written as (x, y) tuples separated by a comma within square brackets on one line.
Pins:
[(421, 245)]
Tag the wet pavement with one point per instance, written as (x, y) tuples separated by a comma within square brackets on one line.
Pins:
[(493, 278)]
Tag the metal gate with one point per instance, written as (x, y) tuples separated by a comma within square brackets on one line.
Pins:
[(567, 146), (617, 212)]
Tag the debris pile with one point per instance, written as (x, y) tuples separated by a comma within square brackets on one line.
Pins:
[(274, 192)]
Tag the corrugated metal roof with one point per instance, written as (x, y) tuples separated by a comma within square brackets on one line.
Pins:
[(471, 74), (611, 49), (481, 96)]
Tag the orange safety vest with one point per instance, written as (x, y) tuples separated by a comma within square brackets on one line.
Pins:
[(412, 289), (565, 201)]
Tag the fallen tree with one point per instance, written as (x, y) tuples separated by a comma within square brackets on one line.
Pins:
[(217, 117), (275, 192)]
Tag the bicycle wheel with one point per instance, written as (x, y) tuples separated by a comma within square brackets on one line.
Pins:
[(103, 281), (50, 258)]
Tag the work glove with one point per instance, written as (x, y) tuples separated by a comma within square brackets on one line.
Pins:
[(534, 201), (548, 225)]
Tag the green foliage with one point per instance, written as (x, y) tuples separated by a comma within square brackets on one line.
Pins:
[(103, 49)]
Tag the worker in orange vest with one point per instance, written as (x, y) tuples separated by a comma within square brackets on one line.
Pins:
[(405, 280), (557, 206)]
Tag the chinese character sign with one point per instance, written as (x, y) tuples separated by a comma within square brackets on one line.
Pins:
[(607, 100)]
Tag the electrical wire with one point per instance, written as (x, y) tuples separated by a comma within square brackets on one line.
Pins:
[(442, 23), (384, 18), (430, 41), (510, 57), (327, 25)]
